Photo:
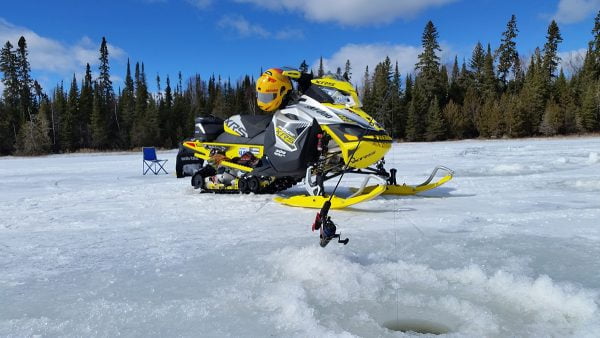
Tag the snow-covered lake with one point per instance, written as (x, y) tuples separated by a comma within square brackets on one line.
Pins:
[(510, 247)]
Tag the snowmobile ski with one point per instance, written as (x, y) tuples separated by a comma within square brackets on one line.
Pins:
[(407, 190), (317, 202)]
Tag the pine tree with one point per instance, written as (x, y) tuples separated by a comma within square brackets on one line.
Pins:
[(471, 108), (86, 106), (26, 99), (429, 62), (10, 115), (477, 64), (443, 85), (436, 126), (348, 70), (455, 90), (69, 133), (33, 137), (588, 117), (127, 107), (303, 67), (321, 71), (98, 120), (398, 114), (381, 93), (508, 55), (366, 92), (108, 98), (60, 120), (595, 48), (551, 58), (417, 114), (489, 75), (456, 123), (552, 120)]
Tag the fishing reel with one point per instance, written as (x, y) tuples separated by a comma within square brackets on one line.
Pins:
[(326, 227)]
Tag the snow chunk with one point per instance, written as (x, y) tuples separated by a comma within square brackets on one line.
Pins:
[(315, 292)]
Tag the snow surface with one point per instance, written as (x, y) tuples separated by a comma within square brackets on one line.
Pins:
[(510, 247)]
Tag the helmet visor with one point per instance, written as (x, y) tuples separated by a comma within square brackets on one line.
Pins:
[(266, 97)]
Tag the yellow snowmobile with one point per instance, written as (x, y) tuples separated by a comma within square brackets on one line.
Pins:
[(320, 135)]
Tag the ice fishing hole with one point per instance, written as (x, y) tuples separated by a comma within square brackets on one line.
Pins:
[(417, 326)]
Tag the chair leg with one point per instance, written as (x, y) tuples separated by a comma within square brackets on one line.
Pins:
[(162, 168)]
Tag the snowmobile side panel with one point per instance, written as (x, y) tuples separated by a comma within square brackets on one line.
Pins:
[(316, 202), (291, 145), (359, 155)]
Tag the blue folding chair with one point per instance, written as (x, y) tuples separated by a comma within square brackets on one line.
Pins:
[(151, 163)]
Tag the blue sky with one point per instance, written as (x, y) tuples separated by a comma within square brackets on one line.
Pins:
[(236, 37)]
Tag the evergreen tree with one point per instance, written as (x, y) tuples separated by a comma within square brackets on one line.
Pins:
[(60, 120), (11, 121), (26, 100), (552, 120), (477, 64), (444, 84), (456, 123), (98, 120), (381, 93), (436, 126), (321, 71), (366, 96), (551, 59), (417, 113), (86, 106), (588, 118), (69, 132), (508, 55), (489, 75), (303, 67), (595, 48), (398, 114), (127, 107), (455, 90), (429, 62), (348, 70), (471, 108), (33, 137)]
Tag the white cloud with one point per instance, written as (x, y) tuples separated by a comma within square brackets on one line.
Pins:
[(352, 12), (362, 55), (200, 4), (242, 26), (572, 61), (245, 29), (54, 57), (572, 11)]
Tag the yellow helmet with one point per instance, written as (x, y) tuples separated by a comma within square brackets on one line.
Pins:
[(271, 88)]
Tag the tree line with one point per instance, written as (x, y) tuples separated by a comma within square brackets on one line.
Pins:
[(495, 93)]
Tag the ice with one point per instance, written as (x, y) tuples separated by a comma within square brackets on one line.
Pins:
[(510, 247)]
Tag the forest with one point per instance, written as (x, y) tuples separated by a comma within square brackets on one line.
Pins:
[(496, 93)]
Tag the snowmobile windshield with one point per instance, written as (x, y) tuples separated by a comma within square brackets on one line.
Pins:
[(339, 97), (266, 97)]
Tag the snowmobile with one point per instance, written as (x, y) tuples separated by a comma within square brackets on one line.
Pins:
[(322, 134)]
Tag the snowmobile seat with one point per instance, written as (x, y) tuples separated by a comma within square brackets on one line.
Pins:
[(151, 163), (255, 124)]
